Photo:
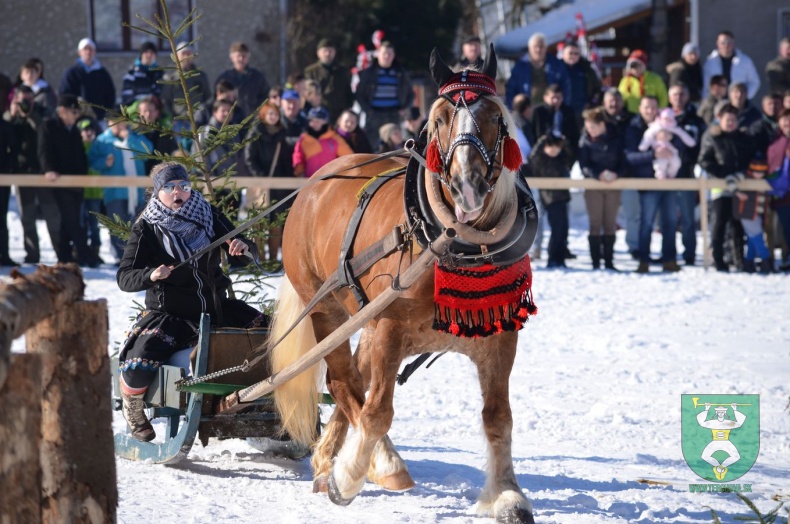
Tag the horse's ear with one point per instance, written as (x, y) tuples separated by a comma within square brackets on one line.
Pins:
[(439, 70), (489, 66)]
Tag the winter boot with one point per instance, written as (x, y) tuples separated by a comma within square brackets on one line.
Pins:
[(608, 252), (134, 413), (595, 251), (671, 266), (644, 267), (749, 266), (766, 266)]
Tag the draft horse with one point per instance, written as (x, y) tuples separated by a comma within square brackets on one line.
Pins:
[(472, 185)]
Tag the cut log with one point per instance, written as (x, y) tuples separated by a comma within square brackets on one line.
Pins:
[(27, 299), (77, 454), (20, 436)]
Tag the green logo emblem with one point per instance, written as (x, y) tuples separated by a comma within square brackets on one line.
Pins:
[(720, 434)]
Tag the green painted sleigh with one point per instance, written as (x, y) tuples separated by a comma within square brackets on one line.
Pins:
[(192, 411)]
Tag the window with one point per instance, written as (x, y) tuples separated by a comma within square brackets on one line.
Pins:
[(784, 24), (107, 17)]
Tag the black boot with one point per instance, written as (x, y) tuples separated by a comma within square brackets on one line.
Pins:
[(766, 266), (595, 250), (748, 266), (608, 252)]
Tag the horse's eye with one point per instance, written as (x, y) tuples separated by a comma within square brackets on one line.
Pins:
[(439, 122)]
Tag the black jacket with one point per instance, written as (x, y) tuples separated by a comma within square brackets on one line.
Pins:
[(187, 292), (60, 149), (695, 126), (599, 154), (141, 82), (542, 165), (543, 122), (26, 135), (8, 148), (259, 153), (690, 75), (724, 154), (335, 82)]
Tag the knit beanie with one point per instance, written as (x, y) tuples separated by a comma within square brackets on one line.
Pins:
[(167, 172)]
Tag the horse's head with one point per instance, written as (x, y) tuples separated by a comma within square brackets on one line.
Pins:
[(469, 147)]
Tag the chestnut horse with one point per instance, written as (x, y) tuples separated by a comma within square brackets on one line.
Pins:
[(476, 191)]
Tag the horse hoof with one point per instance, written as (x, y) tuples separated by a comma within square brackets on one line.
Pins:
[(515, 516), (334, 493), (320, 485), (400, 481)]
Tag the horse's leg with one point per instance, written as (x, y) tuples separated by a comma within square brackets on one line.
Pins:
[(501, 497), (374, 420), (387, 468)]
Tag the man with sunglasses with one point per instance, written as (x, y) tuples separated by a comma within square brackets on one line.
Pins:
[(60, 152)]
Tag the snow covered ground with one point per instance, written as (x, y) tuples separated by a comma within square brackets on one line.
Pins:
[(595, 393)]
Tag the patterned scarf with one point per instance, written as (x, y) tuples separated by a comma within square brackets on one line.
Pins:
[(184, 231)]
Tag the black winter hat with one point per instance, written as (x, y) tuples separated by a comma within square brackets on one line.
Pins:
[(148, 46), (69, 101)]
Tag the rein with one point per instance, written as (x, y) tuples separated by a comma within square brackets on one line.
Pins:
[(263, 214)]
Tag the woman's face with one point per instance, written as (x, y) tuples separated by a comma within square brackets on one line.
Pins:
[(175, 193), (271, 117), (347, 123)]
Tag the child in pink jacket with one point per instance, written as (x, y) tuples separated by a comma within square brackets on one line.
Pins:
[(318, 145), (658, 137)]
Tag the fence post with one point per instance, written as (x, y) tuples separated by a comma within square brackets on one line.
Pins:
[(20, 437), (77, 454), (703, 219)]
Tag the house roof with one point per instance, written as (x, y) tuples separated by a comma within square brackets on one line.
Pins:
[(556, 23)]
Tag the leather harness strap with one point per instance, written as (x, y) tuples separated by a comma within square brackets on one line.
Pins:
[(346, 276)]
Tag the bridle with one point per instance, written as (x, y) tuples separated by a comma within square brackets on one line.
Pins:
[(463, 94)]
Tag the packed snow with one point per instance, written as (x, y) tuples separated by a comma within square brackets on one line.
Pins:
[(595, 393)]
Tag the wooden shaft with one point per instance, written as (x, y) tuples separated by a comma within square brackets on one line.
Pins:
[(424, 262)]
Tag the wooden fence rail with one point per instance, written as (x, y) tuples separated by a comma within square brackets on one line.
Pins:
[(701, 185), (57, 462)]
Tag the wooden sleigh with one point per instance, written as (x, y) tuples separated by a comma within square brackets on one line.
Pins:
[(193, 411)]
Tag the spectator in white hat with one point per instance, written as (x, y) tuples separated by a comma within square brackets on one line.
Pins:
[(89, 80)]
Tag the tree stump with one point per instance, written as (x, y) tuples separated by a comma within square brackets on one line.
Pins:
[(20, 436), (77, 452)]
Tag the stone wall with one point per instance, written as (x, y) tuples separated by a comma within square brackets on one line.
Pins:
[(51, 29)]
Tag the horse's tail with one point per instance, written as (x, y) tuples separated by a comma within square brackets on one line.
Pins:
[(296, 400)]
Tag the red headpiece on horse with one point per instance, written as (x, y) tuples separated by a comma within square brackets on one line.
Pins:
[(466, 87)]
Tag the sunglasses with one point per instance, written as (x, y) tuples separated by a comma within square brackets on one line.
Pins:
[(184, 187)]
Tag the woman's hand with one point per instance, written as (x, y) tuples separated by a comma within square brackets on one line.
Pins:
[(237, 247), (161, 273)]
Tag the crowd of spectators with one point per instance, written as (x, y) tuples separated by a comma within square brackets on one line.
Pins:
[(641, 128), (706, 123)]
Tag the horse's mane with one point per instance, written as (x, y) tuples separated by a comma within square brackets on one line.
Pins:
[(504, 189)]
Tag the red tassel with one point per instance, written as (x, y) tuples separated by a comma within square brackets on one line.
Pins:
[(454, 328), (433, 159), (511, 154)]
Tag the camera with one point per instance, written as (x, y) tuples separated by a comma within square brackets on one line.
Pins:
[(24, 105)]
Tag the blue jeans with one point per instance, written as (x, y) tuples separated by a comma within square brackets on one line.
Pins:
[(687, 201), (629, 200), (650, 203)]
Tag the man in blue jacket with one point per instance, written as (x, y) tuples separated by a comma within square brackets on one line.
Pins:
[(535, 71), (89, 80)]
